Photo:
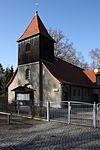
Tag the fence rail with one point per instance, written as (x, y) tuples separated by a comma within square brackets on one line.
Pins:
[(65, 111), (76, 113)]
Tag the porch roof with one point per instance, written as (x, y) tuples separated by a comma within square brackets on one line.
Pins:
[(23, 89)]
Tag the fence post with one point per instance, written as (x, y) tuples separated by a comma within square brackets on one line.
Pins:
[(8, 119), (69, 109), (94, 115), (48, 111), (18, 107)]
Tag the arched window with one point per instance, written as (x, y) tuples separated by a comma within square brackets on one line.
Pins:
[(27, 74), (28, 47)]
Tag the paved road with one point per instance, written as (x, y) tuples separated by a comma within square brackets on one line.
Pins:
[(41, 135)]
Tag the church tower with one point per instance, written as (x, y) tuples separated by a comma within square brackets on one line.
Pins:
[(35, 44)]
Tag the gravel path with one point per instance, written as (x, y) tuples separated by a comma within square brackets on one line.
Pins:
[(41, 135)]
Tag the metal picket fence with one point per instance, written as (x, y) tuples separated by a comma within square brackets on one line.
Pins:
[(17, 111), (74, 112), (98, 115), (29, 109)]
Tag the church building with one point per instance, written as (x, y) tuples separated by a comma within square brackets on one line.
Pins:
[(43, 77)]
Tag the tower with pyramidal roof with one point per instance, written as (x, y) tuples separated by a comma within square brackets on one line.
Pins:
[(35, 44)]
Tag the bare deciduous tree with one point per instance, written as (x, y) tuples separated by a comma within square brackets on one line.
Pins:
[(64, 50), (82, 63), (95, 56)]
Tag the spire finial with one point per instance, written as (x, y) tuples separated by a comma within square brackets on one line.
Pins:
[(36, 12), (36, 8)]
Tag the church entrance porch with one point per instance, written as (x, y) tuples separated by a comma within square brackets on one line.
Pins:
[(24, 100)]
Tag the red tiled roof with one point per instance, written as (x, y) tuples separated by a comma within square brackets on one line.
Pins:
[(65, 72), (35, 26), (92, 75)]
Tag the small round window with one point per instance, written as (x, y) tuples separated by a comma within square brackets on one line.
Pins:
[(27, 74), (28, 47)]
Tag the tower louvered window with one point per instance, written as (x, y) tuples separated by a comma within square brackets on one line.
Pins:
[(28, 47)]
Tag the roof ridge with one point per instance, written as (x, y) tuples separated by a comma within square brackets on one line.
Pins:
[(51, 73), (37, 21), (45, 32), (11, 79), (27, 27), (69, 63)]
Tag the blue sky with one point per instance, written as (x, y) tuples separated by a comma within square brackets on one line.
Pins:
[(79, 20)]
